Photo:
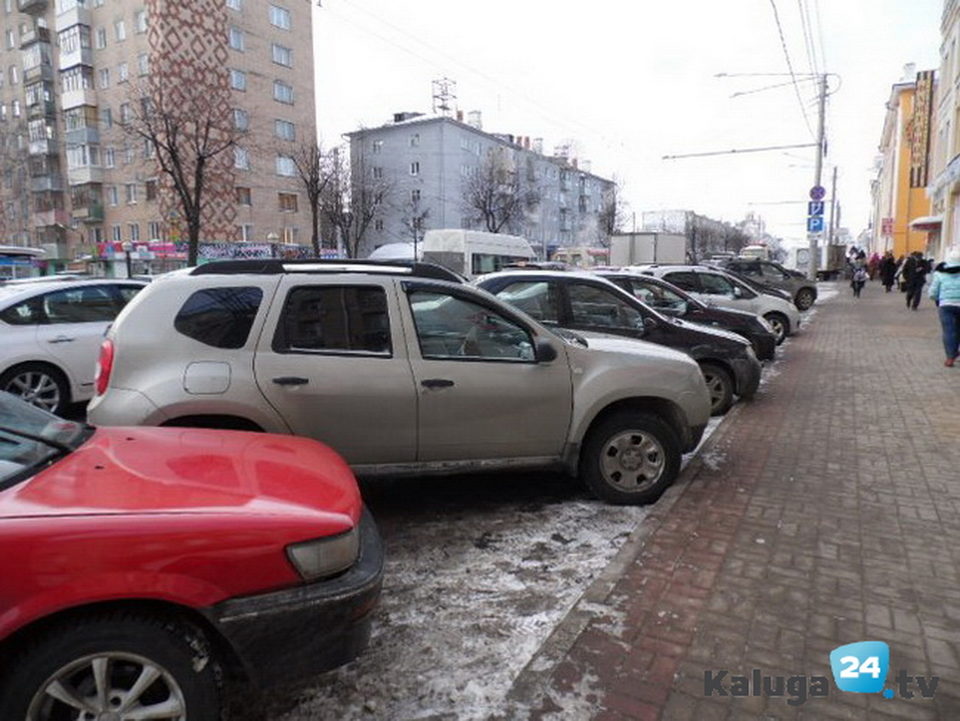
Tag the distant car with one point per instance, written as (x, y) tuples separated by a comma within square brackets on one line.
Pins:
[(668, 299), (146, 571), (52, 329), (803, 292), (586, 302), (717, 287)]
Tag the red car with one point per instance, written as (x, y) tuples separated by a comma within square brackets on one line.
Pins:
[(145, 569)]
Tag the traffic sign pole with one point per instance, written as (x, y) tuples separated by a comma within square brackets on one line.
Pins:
[(812, 267)]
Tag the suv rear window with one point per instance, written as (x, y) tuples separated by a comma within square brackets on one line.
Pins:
[(351, 319), (219, 317)]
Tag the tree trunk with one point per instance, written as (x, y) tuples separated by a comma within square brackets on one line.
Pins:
[(193, 241), (315, 237)]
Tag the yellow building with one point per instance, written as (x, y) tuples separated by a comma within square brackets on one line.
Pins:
[(902, 220)]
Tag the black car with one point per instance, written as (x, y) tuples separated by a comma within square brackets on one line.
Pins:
[(671, 300), (585, 302)]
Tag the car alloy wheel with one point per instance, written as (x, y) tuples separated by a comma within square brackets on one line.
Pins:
[(805, 299), (720, 385), (109, 687), (779, 326), (36, 387)]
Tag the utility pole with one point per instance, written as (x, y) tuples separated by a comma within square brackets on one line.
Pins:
[(817, 177), (831, 239)]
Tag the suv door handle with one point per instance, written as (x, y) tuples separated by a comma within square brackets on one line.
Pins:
[(290, 381), (61, 339), (437, 383)]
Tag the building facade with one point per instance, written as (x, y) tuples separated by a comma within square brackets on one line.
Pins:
[(944, 188), (429, 163), (76, 71), (902, 220)]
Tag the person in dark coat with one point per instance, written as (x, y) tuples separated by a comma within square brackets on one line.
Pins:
[(888, 269), (916, 278)]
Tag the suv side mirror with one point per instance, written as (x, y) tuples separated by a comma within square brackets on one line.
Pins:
[(737, 292), (544, 350), (649, 323)]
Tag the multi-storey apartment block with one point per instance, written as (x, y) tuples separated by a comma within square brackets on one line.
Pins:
[(73, 71), (428, 164)]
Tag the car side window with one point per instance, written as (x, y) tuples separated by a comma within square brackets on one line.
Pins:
[(449, 327), (599, 308), (684, 281), (714, 284), (335, 319), (85, 304), (219, 317), (656, 296), (772, 272), (539, 300), (126, 293), (27, 312)]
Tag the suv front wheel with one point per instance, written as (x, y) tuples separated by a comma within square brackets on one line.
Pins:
[(805, 299), (630, 458)]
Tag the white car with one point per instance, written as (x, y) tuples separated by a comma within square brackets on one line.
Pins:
[(52, 331), (714, 287)]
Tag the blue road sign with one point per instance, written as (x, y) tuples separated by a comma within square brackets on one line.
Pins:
[(818, 192), (815, 224), (815, 207)]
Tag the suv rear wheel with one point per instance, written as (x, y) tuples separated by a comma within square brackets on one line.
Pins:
[(630, 457), (720, 384)]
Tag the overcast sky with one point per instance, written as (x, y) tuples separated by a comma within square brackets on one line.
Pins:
[(628, 83)]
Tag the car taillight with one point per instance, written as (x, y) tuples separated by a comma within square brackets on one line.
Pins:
[(101, 378)]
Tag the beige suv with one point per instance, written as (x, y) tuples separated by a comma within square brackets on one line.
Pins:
[(400, 371)]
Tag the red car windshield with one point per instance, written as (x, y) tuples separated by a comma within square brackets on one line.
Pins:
[(31, 437)]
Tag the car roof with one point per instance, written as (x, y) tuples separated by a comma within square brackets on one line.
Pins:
[(17, 291), (538, 273), (277, 266)]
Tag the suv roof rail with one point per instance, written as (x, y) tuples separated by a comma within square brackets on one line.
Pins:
[(275, 266)]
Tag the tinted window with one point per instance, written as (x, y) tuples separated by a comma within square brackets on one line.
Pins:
[(599, 308), (657, 296), (715, 284), (27, 312), (336, 318), (750, 269), (450, 327), (684, 281), (219, 317), (127, 292), (772, 272), (87, 304), (538, 300)]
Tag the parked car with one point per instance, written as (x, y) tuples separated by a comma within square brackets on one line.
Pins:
[(146, 571), (585, 302), (52, 330), (400, 371), (802, 291), (670, 300), (717, 287)]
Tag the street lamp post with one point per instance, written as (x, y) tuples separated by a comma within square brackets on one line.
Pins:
[(127, 249)]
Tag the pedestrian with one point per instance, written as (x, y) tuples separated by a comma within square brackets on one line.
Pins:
[(945, 292), (888, 269), (873, 265), (859, 279), (917, 278)]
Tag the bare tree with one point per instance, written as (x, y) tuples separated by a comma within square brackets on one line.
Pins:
[(314, 171), (414, 220), (612, 215), (15, 198), (187, 131), (496, 197), (353, 198)]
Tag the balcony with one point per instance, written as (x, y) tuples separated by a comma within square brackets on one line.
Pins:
[(77, 15), (47, 218), (82, 136), (37, 73), (78, 98), (34, 7), (35, 34), (42, 147), (89, 214), (43, 109), (80, 56), (47, 183), (84, 175)]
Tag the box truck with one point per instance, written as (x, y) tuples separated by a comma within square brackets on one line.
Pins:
[(647, 247)]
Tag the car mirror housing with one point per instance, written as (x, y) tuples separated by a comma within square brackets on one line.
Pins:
[(545, 351), (649, 323), (737, 292)]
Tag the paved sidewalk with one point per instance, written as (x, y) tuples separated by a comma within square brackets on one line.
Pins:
[(827, 511)]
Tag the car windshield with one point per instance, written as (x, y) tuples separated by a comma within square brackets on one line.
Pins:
[(31, 437)]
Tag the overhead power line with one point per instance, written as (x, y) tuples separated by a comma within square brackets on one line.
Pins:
[(786, 54), (739, 150)]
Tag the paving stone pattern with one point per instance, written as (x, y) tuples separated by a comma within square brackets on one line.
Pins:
[(824, 512)]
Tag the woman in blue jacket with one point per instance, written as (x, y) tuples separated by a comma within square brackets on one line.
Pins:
[(945, 292)]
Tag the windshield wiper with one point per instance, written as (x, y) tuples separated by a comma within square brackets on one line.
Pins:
[(62, 447)]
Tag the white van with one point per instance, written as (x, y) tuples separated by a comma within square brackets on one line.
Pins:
[(473, 252)]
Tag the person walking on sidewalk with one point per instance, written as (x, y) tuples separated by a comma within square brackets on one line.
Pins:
[(915, 274), (859, 279), (888, 269), (945, 292)]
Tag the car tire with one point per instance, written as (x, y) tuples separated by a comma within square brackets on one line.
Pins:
[(39, 384), (178, 656), (805, 299), (639, 476), (781, 325), (720, 384)]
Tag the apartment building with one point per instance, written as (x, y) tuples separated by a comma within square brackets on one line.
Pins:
[(427, 163), (74, 70)]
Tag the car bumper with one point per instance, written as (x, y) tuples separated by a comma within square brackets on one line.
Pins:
[(287, 636), (747, 371), (764, 345)]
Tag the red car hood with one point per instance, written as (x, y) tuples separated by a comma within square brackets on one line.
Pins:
[(188, 470)]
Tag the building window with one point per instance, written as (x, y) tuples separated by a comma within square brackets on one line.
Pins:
[(134, 231), (290, 235), (143, 64), (123, 73), (281, 55), (15, 108), (109, 157), (14, 75), (287, 202), (241, 119), (104, 78), (120, 30), (246, 231), (415, 168), (238, 80), (415, 195), (113, 195), (131, 193), (282, 92), (377, 147), (11, 42), (150, 189), (235, 5), (241, 158), (237, 39), (376, 172), (153, 230), (285, 130), (140, 21), (279, 17), (117, 233), (286, 166), (415, 140), (101, 38), (244, 196), (125, 115), (378, 224)]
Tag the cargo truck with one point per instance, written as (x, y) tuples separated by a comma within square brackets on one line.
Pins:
[(647, 247)]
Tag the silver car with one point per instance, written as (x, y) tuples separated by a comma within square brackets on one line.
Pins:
[(401, 372)]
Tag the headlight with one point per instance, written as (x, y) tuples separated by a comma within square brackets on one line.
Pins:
[(324, 557)]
